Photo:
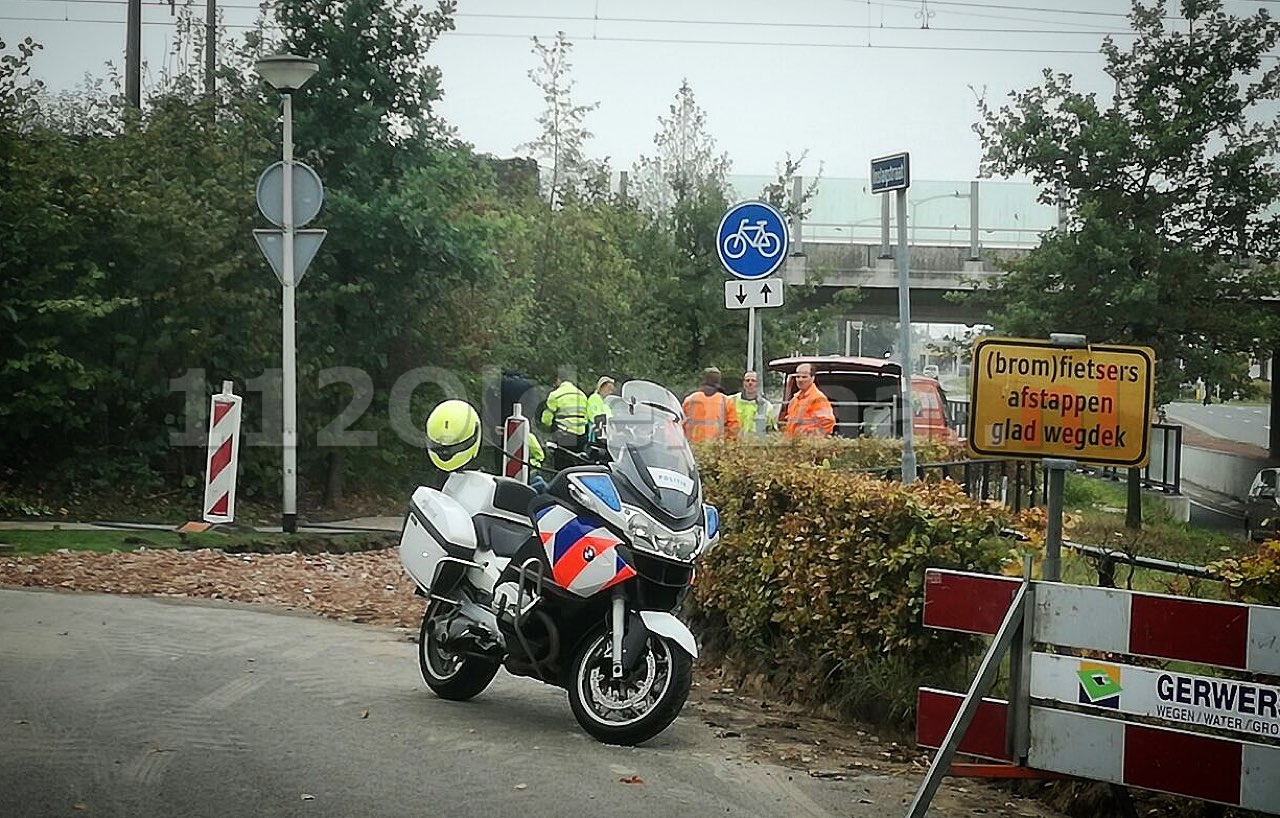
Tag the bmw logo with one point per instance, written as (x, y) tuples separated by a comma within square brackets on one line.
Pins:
[(588, 553)]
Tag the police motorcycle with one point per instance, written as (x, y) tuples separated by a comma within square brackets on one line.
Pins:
[(574, 586)]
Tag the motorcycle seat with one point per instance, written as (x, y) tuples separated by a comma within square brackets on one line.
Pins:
[(512, 495), (503, 537)]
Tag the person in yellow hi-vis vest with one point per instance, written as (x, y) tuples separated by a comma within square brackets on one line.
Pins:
[(752, 406), (565, 416)]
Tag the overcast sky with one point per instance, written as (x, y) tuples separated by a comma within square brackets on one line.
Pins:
[(844, 79)]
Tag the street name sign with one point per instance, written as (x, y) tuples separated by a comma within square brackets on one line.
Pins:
[(743, 295), (1034, 399), (891, 173), (752, 240)]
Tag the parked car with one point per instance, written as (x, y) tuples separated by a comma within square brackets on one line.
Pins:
[(1262, 506), (930, 371), (864, 394)]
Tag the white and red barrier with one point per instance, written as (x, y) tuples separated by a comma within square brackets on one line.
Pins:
[(223, 456), (1215, 738), (515, 447)]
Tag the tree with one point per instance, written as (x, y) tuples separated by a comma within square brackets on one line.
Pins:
[(1170, 243), (560, 148), (126, 264), (686, 157), (410, 213)]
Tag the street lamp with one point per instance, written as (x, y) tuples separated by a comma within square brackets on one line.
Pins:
[(916, 203), (287, 73)]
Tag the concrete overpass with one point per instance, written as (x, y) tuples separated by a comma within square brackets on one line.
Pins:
[(934, 272), (956, 233)]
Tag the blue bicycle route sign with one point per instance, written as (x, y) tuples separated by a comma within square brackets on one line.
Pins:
[(752, 240)]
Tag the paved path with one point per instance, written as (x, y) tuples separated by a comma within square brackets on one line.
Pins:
[(120, 706)]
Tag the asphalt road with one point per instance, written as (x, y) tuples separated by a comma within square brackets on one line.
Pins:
[(1247, 424), (126, 706)]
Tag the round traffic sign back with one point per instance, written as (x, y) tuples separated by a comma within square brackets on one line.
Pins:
[(752, 240), (308, 194)]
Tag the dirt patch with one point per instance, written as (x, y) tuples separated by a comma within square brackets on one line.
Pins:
[(366, 586)]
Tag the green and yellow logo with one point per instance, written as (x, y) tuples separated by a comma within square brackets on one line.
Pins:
[(1099, 684)]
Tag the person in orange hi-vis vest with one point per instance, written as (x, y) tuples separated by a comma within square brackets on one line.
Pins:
[(709, 413), (809, 413)]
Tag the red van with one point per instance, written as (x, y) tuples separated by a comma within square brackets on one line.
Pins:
[(864, 395)]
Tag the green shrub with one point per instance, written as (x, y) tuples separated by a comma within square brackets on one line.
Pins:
[(820, 574)]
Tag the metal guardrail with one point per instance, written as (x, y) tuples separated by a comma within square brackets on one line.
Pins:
[(1107, 559), (1163, 471)]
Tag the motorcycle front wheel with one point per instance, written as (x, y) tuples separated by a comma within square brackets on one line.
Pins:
[(450, 675), (636, 707)]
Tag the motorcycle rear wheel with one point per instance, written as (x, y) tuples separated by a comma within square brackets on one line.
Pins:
[(454, 676), (640, 705)]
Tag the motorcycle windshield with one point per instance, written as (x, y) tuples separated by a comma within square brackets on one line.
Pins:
[(651, 394), (650, 454)]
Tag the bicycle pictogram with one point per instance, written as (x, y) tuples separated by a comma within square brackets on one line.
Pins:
[(752, 236), (751, 240)]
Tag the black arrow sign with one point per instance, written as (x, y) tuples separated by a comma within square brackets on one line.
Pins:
[(765, 292), (742, 294)]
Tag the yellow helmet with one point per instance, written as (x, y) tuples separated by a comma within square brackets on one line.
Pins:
[(453, 435)]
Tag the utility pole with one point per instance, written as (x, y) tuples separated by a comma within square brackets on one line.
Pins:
[(210, 45), (133, 55)]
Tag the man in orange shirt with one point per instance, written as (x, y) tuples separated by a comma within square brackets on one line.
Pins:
[(709, 413), (809, 413)]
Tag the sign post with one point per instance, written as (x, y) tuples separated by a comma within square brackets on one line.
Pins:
[(893, 173), (752, 244), (289, 195), (288, 200)]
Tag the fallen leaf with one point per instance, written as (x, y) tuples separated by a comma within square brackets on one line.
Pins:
[(522, 786), (631, 779), (306, 796), (364, 714), (80, 805)]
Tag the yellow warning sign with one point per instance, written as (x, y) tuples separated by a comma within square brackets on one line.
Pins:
[(1036, 399)]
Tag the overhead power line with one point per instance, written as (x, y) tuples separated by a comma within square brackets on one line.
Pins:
[(655, 40), (722, 23), (116, 22)]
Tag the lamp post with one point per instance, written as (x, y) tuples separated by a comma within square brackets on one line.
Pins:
[(916, 204), (287, 73)]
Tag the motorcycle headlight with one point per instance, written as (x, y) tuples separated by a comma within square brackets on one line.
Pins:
[(649, 536), (686, 544), (640, 528)]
